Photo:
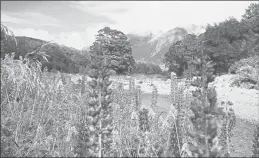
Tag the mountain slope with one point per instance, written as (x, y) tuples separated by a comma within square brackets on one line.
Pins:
[(140, 45), (61, 58), (152, 48)]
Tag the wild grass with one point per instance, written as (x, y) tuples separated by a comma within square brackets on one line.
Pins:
[(46, 114), (37, 112)]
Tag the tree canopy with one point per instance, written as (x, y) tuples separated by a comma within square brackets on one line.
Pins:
[(116, 49), (224, 43)]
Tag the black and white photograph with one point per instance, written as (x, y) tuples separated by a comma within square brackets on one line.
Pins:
[(129, 79)]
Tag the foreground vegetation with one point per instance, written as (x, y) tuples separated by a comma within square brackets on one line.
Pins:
[(45, 114)]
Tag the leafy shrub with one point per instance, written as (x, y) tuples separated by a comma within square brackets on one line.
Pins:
[(247, 62), (247, 71), (147, 68)]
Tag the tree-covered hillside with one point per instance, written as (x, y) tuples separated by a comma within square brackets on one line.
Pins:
[(61, 58)]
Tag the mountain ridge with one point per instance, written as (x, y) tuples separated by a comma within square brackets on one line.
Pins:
[(156, 45)]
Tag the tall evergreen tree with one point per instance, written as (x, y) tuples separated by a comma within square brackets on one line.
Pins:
[(250, 21), (116, 49), (225, 43), (177, 58)]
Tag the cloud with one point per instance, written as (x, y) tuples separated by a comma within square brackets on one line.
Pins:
[(75, 23), (101, 7), (70, 39), (141, 16), (156, 16), (56, 13), (9, 19), (34, 33), (90, 32), (31, 18)]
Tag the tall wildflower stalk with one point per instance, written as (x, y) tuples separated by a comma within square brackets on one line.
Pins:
[(229, 122), (63, 78), (173, 87), (256, 131), (154, 97), (145, 119), (206, 120), (100, 110), (132, 90), (83, 81), (138, 98), (256, 142), (175, 137)]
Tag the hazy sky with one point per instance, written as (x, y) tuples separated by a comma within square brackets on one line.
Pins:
[(74, 23)]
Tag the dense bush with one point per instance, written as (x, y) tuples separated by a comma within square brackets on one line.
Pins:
[(147, 68), (247, 73), (247, 62)]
